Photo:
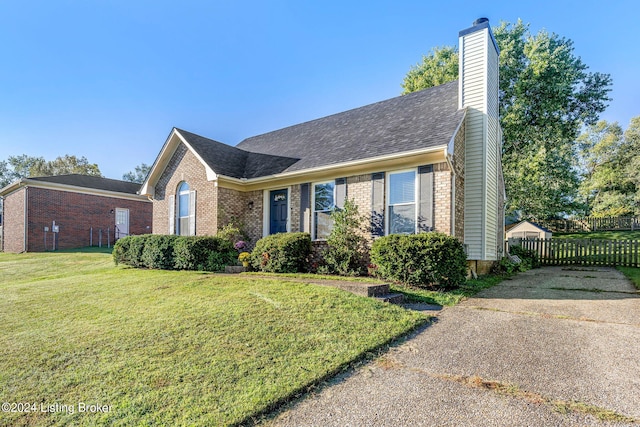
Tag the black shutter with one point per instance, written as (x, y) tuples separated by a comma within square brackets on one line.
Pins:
[(341, 192), (305, 207), (377, 204), (425, 210)]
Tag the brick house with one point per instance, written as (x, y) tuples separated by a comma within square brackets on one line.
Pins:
[(63, 210), (429, 160)]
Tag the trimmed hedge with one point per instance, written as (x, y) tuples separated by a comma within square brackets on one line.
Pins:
[(203, 253), (282, 253), (174, 252), (158, 252), (422, 260)]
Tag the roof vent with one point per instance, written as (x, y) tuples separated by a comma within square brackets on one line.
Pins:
[(480, 21)]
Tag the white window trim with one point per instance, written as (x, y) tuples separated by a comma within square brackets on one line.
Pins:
[(313, 205), (186, 192), (266, 209), (387, 191)]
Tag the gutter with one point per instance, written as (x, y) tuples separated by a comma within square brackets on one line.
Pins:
[(336, 166)]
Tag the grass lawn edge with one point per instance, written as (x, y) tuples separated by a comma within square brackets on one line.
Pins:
[(275, 408), (631, 273)]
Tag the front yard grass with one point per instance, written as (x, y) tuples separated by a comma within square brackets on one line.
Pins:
[(414, 294), (170, 348)]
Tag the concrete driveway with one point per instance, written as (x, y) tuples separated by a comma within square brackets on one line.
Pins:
[(551, 347)]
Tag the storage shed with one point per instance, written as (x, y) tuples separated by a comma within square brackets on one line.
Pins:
[(527, 230)]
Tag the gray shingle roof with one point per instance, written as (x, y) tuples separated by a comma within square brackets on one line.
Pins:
[(423, 119), (94, 182), (231, 161), (419, 120)]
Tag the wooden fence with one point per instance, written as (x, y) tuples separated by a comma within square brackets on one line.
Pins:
[(611, 253), (591, 224)]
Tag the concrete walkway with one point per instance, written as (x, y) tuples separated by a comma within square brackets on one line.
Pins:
[(551, 347)]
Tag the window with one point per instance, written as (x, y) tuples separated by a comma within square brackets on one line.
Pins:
[(401, 202), (183, 210), (323, 204)]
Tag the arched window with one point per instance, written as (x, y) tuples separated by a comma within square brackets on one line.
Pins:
[(182, 210)]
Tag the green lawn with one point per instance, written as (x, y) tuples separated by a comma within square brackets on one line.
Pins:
[(415, 294), (632, 274), (170, 348), (607, 235)]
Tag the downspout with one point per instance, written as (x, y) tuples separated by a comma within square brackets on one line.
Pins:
[(2, 225), (26, 219), (447, 157)]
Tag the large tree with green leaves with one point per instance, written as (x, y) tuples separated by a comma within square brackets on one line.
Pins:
[(546, 95), (610, 164), (24, 166), (138, 175)]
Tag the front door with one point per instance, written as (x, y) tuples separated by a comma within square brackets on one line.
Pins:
[(122, 222), (278, 211)]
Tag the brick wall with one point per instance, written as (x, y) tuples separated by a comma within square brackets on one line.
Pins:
[(244, 209), (458, 164), (294, 208), (184, 166), (75, 214), (359, 190), (442, 197), (13, 222)]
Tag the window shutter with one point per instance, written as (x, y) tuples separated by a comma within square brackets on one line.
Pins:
[(172, 214), (192, 213), (305, 208), (341, 192), (425, 212), (377, 204)]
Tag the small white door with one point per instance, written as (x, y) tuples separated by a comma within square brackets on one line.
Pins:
[(122, 222)]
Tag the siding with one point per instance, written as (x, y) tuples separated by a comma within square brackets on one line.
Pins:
[(479, 94), (474, 88)]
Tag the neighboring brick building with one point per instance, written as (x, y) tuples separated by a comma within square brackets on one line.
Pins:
[(429, 160), (76, 206)]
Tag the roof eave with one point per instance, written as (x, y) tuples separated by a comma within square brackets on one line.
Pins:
[(26, 182), (310, 172)]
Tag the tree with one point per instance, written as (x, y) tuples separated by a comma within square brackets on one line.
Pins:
[(546, 96), (138, 175), (610, 168), (63, 165), (347, 247), (24, 166), (439, 67), (631, 154)]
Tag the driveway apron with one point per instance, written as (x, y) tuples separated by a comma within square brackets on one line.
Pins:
[(555, 346)]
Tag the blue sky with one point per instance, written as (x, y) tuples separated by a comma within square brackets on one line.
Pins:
[(109, 79)]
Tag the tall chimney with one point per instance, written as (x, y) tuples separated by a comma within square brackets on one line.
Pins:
[(478, 93)]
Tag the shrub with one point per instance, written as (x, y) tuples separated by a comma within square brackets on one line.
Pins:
[(282, 253), (121, 250), (158, 251), (420, 259), (196, 253), (133, 256), (529, 258), (347, 252), (174, 252)]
